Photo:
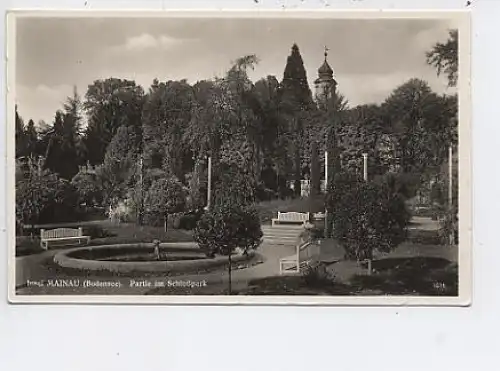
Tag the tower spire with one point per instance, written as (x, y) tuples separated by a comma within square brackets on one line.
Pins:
[(325, 83)]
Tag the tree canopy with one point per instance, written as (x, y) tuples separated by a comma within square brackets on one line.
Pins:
[(260, 135)]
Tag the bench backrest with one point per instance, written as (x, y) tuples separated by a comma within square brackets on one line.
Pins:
[(61, 233), (293, 216)]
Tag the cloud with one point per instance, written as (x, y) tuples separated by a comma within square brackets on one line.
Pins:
[(42, 101), (426, 39), (147, 41), (375, 88), (53, 91)]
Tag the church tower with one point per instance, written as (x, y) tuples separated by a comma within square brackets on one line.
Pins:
[(325, 85)]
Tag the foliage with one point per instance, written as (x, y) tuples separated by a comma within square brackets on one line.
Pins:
[(20, 137), (318, 275), (361, 130), (315, 170), (110, 104), (449, 225), (189, 220), (33, 192), (197, 182), (88, 188), (41, 197), (165, 196), (370, 217), (404, 184), (295, 107), (295, 94), (259, 135), (422, 125), (224, 228), (96, 231), (120, 166), (167, 115), (341, 184), (64, 139), (444, 57), (233, 186), (410, 276)]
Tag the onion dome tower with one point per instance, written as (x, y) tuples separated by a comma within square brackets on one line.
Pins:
[(325, 85)]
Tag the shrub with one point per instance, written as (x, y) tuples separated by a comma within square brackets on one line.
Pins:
[(95, 231), (370, 216), (44, 198), (449, 224), (88, 188), (342, 184), (233, 186), (165, 196), (226, 227), (317, 276), (223, 229), (188, 220)]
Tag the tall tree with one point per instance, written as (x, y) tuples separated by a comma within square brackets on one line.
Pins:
[(20, 136), (109, 104), (225, 124), (120, 165), (167, 114), (295, 100), (420, 122), (61, 152), (64, 139), (444, 57), (295, 93), (276, 139), (362, 131), (333, 117), (31, 138)]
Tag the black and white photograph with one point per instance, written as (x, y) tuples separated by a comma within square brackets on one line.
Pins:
[(239, 158)]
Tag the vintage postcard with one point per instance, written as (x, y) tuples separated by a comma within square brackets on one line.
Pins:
[(309, 158)]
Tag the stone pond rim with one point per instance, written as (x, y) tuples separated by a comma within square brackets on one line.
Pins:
[(67, 259)]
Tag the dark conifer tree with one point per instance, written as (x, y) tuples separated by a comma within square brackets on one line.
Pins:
[(20, 136), (295, 100), (31, 137)]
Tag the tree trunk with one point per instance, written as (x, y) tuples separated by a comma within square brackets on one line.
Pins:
[(166, 222), (229, 271)]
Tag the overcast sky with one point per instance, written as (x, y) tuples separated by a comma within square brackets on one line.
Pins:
[(370, 57)]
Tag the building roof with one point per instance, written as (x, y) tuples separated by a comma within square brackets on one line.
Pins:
[(325, 69), (325, 72)]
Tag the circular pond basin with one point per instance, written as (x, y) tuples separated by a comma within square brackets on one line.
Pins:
[(128, 258)]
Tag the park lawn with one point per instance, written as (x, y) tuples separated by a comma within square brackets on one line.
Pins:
[(419, 276), (105, 232)]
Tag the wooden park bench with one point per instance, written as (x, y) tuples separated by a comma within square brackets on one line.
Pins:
[(306, 254), (62, 235), (319, 216), (291, 217)]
